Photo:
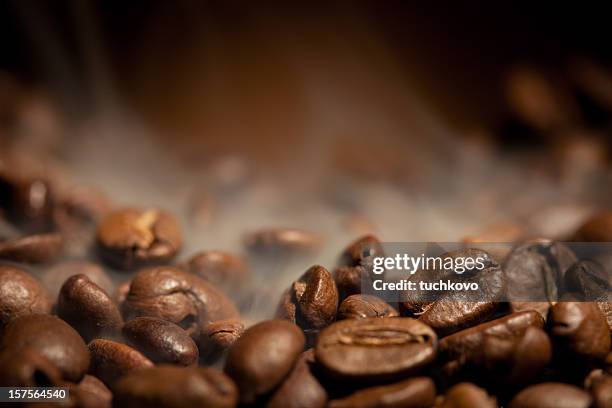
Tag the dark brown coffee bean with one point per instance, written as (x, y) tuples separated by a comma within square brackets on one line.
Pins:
[(466, 395), (350, 280), (90, 392), (282, 241), (376, 348), (130, 238), (598, 228), (55, 276), (602, 393), (88, 308), (301, 388), (217, 337), (418, 392), (363, 306), (20, 294), (589, 280), (263, 357), (314, 297), (551, 395), (28, 368), (579, 331), (28, 201), (32, 249), (177, 296), (111, 360), (467, 341), (175, 387), (535, 270), (219, 268), (358, 251), (161, 341), (52, 338)]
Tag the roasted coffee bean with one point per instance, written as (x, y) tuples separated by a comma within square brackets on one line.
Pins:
[(448, 312), (358, 251), (363, 306), (111, 360), (551, 395), (27, 368), (217, 337), (161, 341), (602, 393), (55, 276), (579, 332), (535, 270), (90, 392), (175, 387), (130, 238), (606, 310), (598, 228), (88, 308), (312, 301), (350, 280), (590, 280), (466, 395), (52, 338), (28, 201), (282, 241), (180, 297), (219, 268), (32, 249), (20, 294), (376, 349), (301, 388), (418, 392), (263, 357)]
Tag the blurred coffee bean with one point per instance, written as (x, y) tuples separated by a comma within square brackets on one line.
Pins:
[(161, 341), (551, 395), (606, 310), (538, 101), (20, 294), (535, 270), (121, 292), (90, 392), (358, 251), (219, 268), (418, 392), (111, 360), (602, 393), (450, 311), (28, 202), (263, 357), (217, 337), (130, 238), (28, 368), (375, 349), (363, 306), (52, 338), (32, 249), (175, 387), (579, 331), (350, 280), (301, 388), (88, 308), (54, 277), (590, 280), (540, 307), (180, 297), (466, 395), (282, 241), (313, 300), (597, 228)]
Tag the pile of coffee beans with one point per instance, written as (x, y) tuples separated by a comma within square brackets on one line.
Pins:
[(172, 334)]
